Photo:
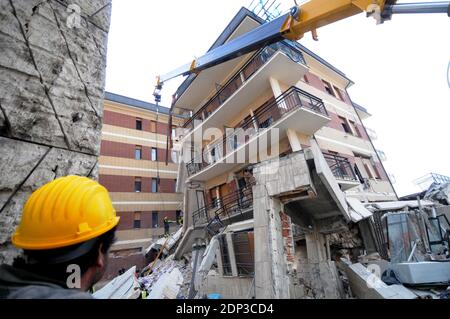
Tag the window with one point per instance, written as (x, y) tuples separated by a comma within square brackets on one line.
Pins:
[(244, 252), (138, 153), (154, 154), (155, 219), (368, 170), (267, 123), (179, 214), (174, 132), (339, 93), (355, 128), (137, 220), (345, 125), (369, 167), (153, 126), (174, 185), (224, 255), (139, 124), (174, 156), (137, 185), (328, 88), (154, 185), (305, 78)]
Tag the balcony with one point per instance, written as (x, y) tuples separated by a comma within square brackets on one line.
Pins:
[(342, 171), (280, 60), (229, 209), (294, 109)]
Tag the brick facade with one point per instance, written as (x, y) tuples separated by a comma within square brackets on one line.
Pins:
[(127, 219), (125, 184), (126, 121), (125, 150)]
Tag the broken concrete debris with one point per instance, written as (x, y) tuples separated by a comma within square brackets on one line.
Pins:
[(396, 250), (125, 286)]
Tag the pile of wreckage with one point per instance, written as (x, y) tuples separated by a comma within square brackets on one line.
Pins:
[(410, 260)]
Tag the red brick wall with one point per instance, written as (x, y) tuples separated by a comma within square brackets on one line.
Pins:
[(315, 81), (125, 150), (127, 219), (335, 123), (167, 186), (287, 236), (125, 184), (115, 149), (380, 169), (126, 121)]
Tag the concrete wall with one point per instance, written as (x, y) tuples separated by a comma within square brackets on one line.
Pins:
[(52, 74), (229, 287)]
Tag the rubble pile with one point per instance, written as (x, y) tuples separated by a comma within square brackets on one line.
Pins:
[(168, 273), (439, 193)]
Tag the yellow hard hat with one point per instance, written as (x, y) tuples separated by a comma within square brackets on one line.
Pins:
[(67, 211)]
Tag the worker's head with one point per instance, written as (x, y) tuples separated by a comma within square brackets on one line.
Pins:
[(67, 229)]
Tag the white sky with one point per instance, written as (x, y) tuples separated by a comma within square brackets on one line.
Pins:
[(399, 69)]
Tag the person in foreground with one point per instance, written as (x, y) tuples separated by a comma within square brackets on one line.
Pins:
[(66, 231)]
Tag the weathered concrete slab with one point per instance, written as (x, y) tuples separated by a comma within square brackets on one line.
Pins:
[(366, 285)]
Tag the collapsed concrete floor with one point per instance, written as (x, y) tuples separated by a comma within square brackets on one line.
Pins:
[(305, 239)]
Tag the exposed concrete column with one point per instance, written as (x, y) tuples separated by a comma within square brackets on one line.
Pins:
[(276, 89), (271, 280), (255, 122), (219, 261), (198, 249), (232, 256), (296, 145), (52, 71), (275, 85), (315, 248)]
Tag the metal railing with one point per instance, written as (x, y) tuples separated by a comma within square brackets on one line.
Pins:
[(340, 167), (241, 76), (263, 118), (215, 214)]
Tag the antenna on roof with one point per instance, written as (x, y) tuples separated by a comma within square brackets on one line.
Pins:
[(265, 9)]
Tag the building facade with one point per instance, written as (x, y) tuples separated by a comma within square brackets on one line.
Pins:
[(276, 163), (132, 166)]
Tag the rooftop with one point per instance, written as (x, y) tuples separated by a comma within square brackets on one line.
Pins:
[(136, 103)]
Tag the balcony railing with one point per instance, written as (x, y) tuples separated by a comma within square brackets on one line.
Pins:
[(216, 214), (241, 76), (263, 118), (341, 167)]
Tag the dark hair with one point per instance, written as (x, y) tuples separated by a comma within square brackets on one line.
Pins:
[(52, 264)]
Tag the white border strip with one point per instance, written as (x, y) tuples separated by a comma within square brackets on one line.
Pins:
[(125, 168), (134, 137), (147, 203), (356, 148)]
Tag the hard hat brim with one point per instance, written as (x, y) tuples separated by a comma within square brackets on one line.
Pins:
[(55, 243)]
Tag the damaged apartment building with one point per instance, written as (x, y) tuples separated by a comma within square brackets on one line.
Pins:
[(132, 168), (276, 223)]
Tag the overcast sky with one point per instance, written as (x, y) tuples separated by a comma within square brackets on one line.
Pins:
[(399, 69)]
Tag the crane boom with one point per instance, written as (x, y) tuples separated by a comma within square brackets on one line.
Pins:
[(302, 19), (307, 17)]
